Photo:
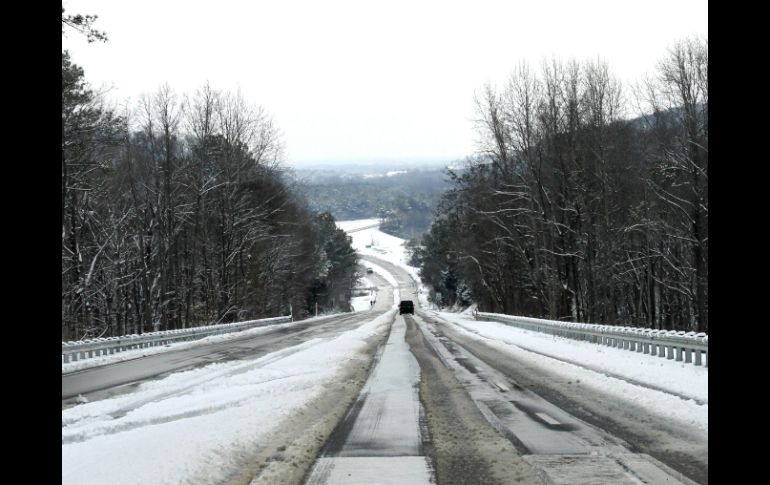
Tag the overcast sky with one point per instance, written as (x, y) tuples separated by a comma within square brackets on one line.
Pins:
[(349, 81)]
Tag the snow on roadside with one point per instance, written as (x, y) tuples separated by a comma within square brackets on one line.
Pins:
[(383, 246), (384, 273), (357, 223), (362, 303), (676, 377), (194, 426), (365, 282), (389, 278), (596, 361), (137, 353)]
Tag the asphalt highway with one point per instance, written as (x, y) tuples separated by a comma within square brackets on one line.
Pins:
[(113, 379), (567, 436), (439, 407)]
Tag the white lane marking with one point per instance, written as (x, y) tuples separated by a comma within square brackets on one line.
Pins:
[(547, 418)]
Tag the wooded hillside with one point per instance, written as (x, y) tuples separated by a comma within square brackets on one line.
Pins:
[(575, 210), (175, 214)]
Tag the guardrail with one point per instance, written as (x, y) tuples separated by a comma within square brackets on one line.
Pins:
[(670, 344), (86, 349)]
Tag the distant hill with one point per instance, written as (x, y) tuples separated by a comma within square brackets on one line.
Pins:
[(403, 195), (361, 166), (669, 116)]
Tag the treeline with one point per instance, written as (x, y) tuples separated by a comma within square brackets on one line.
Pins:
[(572, 211), (175, 213), (405, 202), (408, 217)]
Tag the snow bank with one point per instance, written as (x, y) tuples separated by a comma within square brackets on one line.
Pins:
[(355, 224), (137, 353), (362, 303), (386, 247), (671, 388), (195, 426)]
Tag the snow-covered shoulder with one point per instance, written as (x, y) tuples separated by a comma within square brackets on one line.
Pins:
[(675, 389), (194, 426), (373, 242)]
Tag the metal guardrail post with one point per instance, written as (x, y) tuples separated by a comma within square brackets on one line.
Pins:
[(74, 351), (687, 347)]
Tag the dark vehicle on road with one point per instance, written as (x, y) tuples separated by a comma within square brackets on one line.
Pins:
[(406, 306)]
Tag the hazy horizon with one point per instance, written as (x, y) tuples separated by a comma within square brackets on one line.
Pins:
[(375, 162)]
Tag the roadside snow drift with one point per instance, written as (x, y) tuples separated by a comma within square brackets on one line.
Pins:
[(195, 426), (674, 389)]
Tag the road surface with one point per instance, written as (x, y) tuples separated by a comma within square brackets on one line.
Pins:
[(424, 403)]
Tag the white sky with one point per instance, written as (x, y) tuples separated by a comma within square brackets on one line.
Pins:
[(350, 81)]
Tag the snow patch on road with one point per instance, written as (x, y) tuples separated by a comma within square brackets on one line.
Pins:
[(593, 362), (362, 303), (356, 223), (195, 426), (380, 470), (387, 277), (137, 353), (375, 243)]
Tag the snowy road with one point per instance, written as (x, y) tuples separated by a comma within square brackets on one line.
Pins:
[(379, 440), (131, 372), (374, 397), (114, 379), (570, 433), (261, 411), (222, 423), (564, 448)]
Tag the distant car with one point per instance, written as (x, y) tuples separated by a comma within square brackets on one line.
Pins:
[(406, 306), (369, 270)]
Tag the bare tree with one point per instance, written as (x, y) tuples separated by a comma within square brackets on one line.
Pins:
[(571, 210)]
